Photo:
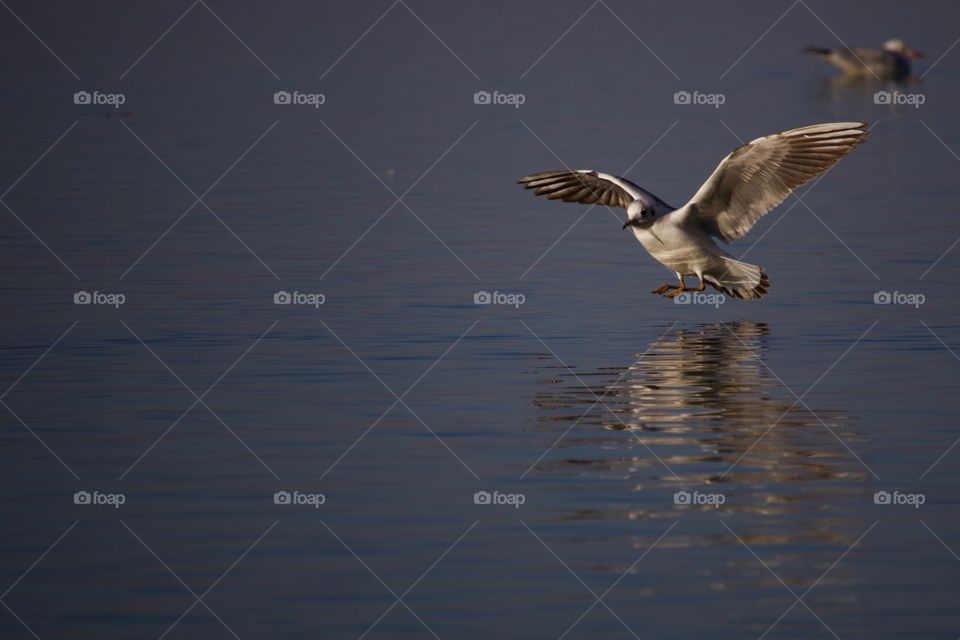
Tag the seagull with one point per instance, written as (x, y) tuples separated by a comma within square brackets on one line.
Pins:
[(748, 183), (892, 62)]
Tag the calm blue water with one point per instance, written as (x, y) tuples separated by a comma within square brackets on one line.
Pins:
[(590, 409)]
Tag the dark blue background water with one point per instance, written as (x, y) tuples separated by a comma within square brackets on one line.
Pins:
[(594, 400)]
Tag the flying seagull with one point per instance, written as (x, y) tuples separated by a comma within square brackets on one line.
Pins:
[(892, 62), (749, 183)]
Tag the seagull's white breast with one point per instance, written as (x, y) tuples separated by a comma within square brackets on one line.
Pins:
[(675, 246)]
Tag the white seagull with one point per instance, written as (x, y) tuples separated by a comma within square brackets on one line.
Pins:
[(892, 62), (749, 183)]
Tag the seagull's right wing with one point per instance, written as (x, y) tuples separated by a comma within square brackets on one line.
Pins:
[(759, 175), (588, 187)]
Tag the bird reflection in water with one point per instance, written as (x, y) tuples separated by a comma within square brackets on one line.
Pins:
[(701, 410), (701, 407)]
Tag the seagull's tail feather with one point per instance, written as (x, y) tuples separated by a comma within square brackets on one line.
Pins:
[(740, 280), (821, 52)]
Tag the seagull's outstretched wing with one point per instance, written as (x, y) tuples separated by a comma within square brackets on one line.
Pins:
[(759, 175), (586, 186)]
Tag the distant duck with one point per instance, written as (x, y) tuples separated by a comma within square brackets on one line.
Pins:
[(892, 62)]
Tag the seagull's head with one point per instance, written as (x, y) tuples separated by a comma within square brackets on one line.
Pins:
[(639, 214), (896, 45)]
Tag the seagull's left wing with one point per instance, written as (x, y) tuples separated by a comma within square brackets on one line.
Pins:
[(759, 175), (586, 186)]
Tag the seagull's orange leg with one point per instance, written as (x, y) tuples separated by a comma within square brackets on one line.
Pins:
[(703, 285), (673, 293)]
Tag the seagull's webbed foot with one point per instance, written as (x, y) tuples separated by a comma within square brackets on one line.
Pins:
[(662, 288), (675, 292)]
